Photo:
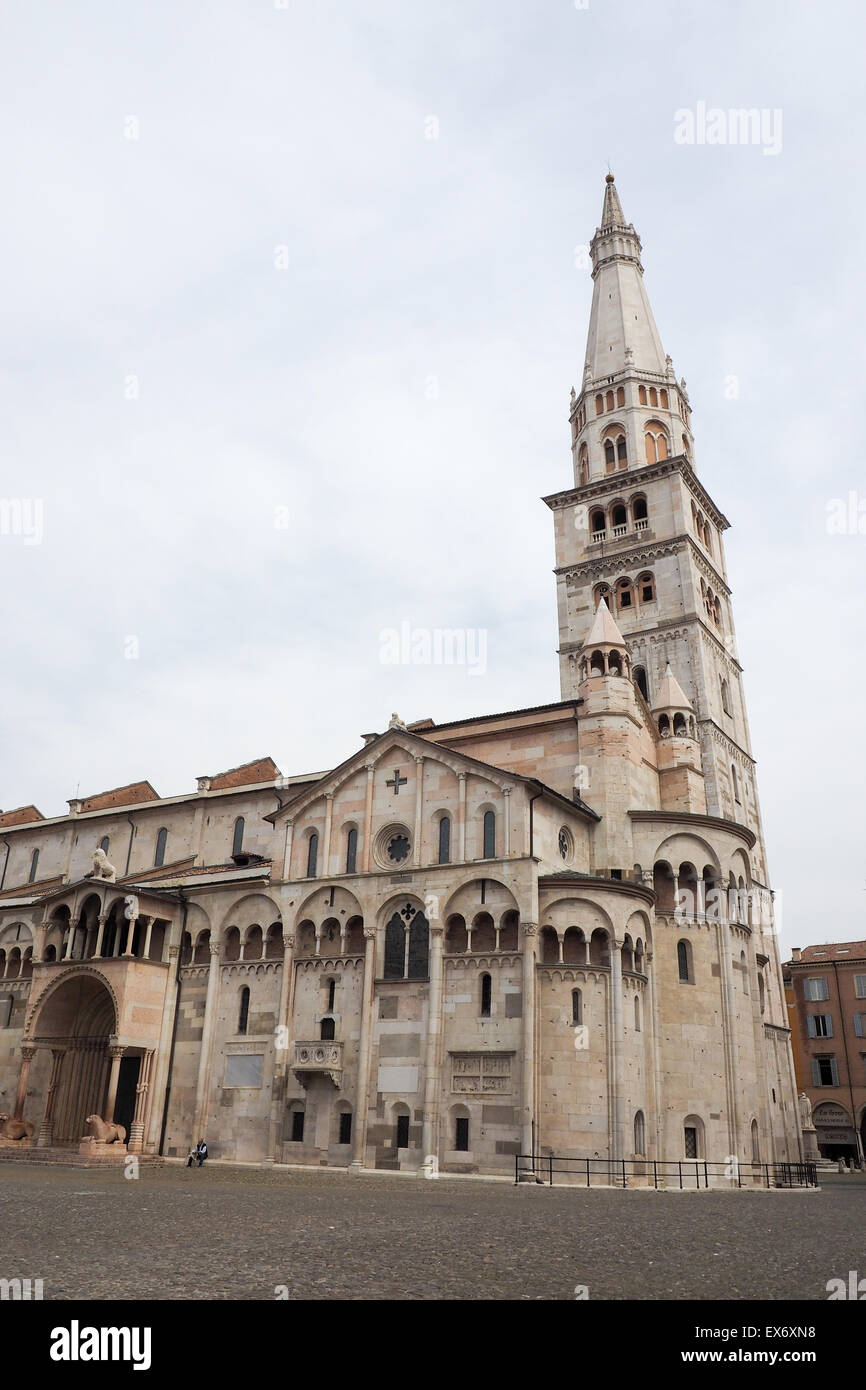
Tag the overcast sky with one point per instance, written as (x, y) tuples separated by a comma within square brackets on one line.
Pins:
[(290, 317)]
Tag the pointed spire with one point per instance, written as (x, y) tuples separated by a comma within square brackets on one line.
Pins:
[(622, 331), (604, 631), (671, 694), (611, 212)]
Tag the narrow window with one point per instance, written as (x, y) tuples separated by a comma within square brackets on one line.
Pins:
[(402, 1131), (332, 990), (326, 1030), (639, 1133), (489, 835), (609, 455), (486, 988), (683, 961), (351, 851), (297, 1126), (395, 948), (244, 1011), (576, 1008), (345, 1127), (690, 1135), (620, 449), (445, 840), (726, 699), (312, 854), (641, 682), (34, 865), (238, 839), (636, 1014), (159, 856), (461, 1134), (104, 843)]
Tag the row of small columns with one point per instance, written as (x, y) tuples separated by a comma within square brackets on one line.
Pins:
[(97, 952), (115, 1052)]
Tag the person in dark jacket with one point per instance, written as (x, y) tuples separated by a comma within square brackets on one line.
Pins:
[(201, 1152)]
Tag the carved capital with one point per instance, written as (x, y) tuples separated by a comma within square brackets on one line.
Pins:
[(530, 928), (214, 947), (28, 1051), (288, 941), (116, 1050), (370, 933)]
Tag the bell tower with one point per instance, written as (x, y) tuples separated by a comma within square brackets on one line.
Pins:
[(640, 530)]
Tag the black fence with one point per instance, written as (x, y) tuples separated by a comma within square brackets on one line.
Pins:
[(660, 1173)]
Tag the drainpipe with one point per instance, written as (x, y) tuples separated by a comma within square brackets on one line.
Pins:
[(5, 861), (858, 1141), (532, 800), (183, 899), (131, 824)]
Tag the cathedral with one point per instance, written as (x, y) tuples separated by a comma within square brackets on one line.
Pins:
[(544, 931)]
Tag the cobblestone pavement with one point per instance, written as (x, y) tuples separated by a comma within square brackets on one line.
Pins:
[(238, 1233)]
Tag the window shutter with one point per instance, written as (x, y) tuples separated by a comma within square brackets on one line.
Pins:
[(828, 1025), (834, 1071), (816, 1072), (811, 1025), (858, 1025)]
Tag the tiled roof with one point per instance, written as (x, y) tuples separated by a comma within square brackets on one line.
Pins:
[(833, 950), (22, 815), (260, 770), (133, 794)]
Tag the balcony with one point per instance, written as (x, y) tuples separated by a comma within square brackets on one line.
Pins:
[(318, 1059)]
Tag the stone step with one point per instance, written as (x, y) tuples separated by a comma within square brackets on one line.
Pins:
[(71, 1158)]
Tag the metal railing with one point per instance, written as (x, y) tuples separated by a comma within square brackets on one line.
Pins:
[(662, 1173)]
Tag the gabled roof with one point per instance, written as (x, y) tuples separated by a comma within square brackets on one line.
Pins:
[(246, 775), (444, 753)]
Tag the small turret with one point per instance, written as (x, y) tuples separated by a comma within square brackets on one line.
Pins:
[(672, 710), (604, 651), (681, 777)]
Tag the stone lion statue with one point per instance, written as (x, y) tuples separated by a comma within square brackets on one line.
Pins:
[(101, 867), (15, 1129), (105, 1131)]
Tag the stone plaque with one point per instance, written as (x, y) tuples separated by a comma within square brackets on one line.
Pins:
[(244, 1069), (481, 1073)]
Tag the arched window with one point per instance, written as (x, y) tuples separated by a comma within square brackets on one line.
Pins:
[(238, 837), (637, 1013), (326, 1030), (332, 991), (654, 396), (618, 516), (756, 1142), (445, 840), (159, 856), (735, 784), (684, 962), (726, 699), (489, 850), (599, 405), (576, 1008), (762, 999), (624, 595), (608, 400), (621, 454), (244, 1010), (646, 587), (744, 971), (639, 511), (639, 1133), (609, 456), (34, 865), (104, 843), (486, 994), (640, 681), (597, 524), (351, 850), (664, 726), (620, 396), (395, 948), (663, 399), (312, 854), (641, 394)]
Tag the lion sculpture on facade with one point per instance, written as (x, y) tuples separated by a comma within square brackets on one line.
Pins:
[(101, 867), (15, 1129), (105, 1131)]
